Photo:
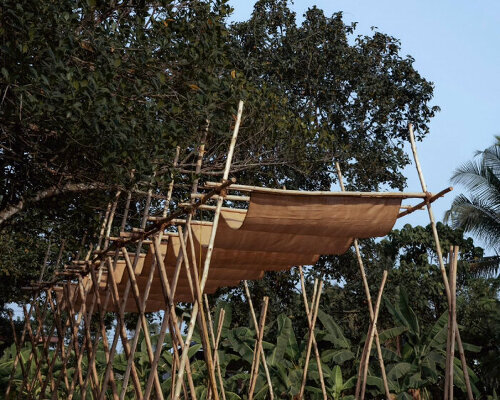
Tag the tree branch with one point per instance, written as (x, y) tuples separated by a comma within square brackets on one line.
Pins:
[(11, 210)]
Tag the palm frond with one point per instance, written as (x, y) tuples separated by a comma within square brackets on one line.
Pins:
[(476, 217), (485, 267)]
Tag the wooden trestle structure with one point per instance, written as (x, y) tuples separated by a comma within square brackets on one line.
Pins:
[(173, 257)]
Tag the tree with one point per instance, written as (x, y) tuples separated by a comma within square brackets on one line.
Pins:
[(94, 97), (479, 213)]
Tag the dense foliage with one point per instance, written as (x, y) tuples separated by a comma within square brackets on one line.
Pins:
[(95, 96)]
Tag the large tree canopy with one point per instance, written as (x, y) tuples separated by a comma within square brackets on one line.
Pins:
[(95, 96)]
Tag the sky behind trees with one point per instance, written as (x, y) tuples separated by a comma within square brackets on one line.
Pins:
[(455, 45)]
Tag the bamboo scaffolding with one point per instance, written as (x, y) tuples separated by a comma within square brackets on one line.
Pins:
[(314, 311), (256, 326), (208, 257), (440, 255), (315, 345)]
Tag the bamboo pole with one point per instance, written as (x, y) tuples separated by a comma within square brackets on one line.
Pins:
[(258, 189), (453, 320), (23, 334), (74, 327), (438, 247), (372, 333), (104, 336), (261, 349), (446, 394), (34, 338), (59, 347), (168, 293), (120, 332), (315, 345), (208, 257), (369, 301), (62, 347), (258, 345), (144, 323), (170, 317), (93, 376), (18, 347), (215, 343), (151, 275), (314, 310), (201, 316)]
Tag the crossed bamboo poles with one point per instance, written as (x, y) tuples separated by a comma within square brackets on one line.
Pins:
[(181, 366)]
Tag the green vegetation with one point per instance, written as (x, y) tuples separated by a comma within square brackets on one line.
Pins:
[(95, 96)]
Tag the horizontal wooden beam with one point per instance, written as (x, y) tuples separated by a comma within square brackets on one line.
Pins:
[(258, 189)]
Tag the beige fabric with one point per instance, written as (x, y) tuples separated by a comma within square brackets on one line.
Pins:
[(277, 232), (327, 216)]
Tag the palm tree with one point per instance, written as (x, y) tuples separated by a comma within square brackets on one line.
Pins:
[(479, 213)]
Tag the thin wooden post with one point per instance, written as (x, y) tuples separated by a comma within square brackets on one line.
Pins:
[(438, 245), (446, 389), (144, 323), (315, 345), (208, 257), (453, 319), (104, 337), (314, 307), (368, 298), (371, 335), (201, 315), (121, 332), (169, 296), (263, 355), (258, 345), (23, 334)]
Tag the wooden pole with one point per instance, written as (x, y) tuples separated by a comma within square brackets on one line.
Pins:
[(314, 306), (23, 334), (169, 298), (261, 349), (215, 343), (315, 345), (437, 242), (144, 323), (208, 257), (453, 288), (446, 394), (372, 333), (369, 301), (258, 345)]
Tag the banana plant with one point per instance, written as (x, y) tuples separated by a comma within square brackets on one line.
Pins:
[(421, 362)]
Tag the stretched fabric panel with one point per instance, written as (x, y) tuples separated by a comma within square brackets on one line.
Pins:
[(327, 216), (280, 230)]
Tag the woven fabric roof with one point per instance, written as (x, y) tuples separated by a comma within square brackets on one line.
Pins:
[(278, 231)]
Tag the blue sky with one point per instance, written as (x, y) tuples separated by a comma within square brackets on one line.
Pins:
[(456, 45)]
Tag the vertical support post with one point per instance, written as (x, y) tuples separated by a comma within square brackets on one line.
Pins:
[(208, 257), (438, 248), (261, 349), (258, 345), (314, 310), (371, 334), (315, 345), (215, 343), (369, 301)]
